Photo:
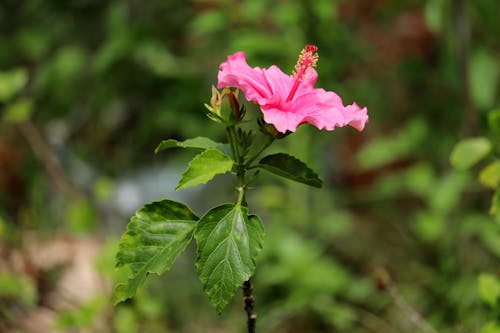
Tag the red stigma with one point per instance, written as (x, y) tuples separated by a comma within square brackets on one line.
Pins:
[(311, 48)]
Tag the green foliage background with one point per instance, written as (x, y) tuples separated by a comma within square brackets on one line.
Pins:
[(396, 241)]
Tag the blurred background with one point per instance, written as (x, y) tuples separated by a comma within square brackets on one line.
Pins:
[(396, 241)]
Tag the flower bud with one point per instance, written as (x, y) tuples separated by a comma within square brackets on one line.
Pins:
[(224, 106)]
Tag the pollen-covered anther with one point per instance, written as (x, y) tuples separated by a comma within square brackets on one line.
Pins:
[(308, 59)]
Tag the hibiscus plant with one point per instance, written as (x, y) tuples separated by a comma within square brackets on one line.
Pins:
[(228, 237)]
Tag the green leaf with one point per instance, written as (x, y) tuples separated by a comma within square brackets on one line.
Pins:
[(197, 143), (11, 82), (204, 167), (434, 13), (81, 217), (18, 111), (158, 59), (81, 317), (210, 21), (489, 288), (495, 203), (290, 167), (490, 327), (469, 151), (385, 150), (490, 175), (484, 74), (229, 242), (126, 319), (155, 236), (19, 287), (494, 121)]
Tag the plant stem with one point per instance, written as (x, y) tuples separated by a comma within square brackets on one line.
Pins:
[(44, 153), (249, 300), (238, 159), (241, 196), (264, 147), (231, 135), (241, 169), (413, 315)]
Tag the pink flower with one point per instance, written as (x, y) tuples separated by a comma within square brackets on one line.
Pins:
[(288, 101)]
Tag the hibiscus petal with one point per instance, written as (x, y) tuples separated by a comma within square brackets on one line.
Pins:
[(324, 110), (235, 72), (271, 87), (281, 118), (279, 83), (356, 117), (320, 108)]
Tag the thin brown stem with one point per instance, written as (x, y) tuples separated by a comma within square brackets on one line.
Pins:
[(373, 322), (249, 301), (462, 27), (414, 317), (43, 152)]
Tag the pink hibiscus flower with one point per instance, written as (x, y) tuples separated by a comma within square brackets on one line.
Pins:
[(288, 101)]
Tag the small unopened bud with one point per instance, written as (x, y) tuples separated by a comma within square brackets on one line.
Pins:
[(215, 99), (213, 110), (224, 106)]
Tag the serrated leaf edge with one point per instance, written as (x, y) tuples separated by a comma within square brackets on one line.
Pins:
[(181, 144), (142, 276), (189, 183), (279, 172), (244, 211)]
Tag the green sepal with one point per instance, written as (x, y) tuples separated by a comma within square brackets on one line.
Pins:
[(203, 167), (155, 236), (290, 167), (196, 143), (229, 242)]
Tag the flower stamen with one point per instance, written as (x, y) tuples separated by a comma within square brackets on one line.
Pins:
[(307, 60)]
